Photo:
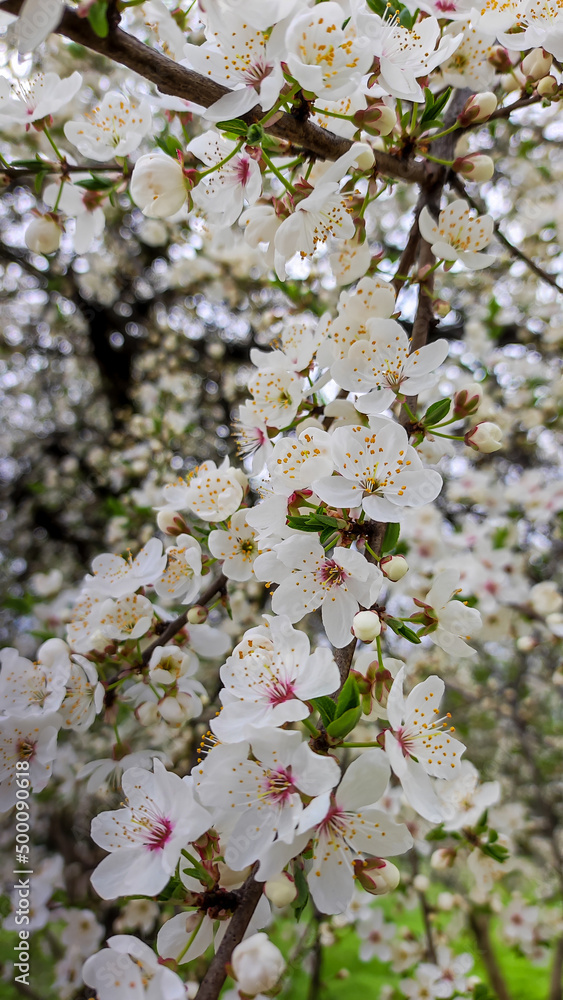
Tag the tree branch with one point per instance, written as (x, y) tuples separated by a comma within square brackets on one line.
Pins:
[(249, 896), (217, 587), (479, 923)]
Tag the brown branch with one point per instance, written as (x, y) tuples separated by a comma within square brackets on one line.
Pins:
[(172, 78), (217, 587), (556, 977), (248, 898), (426, 913), (478, 205), (479, 923)]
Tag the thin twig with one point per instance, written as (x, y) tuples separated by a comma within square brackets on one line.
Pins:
[(217, 587)]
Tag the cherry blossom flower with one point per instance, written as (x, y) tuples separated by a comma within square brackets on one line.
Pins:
[(117, 577), (405, 55), (34, 689), (109, 771), (257, 965), (419, 745), (260, 14), (300, 339), (31, 740), (257, 800), (129, 964), (146, 837), (127, 618), (425, 985), (222, 193), (373, 298), (378, 471), (296, 462), (182, 576), (240, 57), (89, 217), (383, 366), (84, 695), (375, 935), (450, 622), (309, 579), (28, 101), (469, 65), (464, 799), (346, 824), (268, 678), (83, 630), (324, 57), (542, 22), (276, 396), (458, 235), (251, 434), (236, 548), (213, 493), (113, 128)]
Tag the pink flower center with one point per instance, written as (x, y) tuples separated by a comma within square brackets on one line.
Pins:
[(159, 834), (331, 574), (242, 170), (280, 691), (278, 786)]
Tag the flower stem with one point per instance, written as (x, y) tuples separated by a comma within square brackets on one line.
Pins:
[(271, 166)]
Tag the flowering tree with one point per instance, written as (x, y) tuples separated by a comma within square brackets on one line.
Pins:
[(279, 217)]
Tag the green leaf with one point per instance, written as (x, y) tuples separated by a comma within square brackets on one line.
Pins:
[(326, 708), (482, 992), (402, 629), (5, 905), (36, 164), (97, 16), (235, 127), (437, 834), (345, 723), (436, 412), (255, 134), (349, 697), (39, 179), (169, 145), (302, 898), (390, 538), (95, 184)]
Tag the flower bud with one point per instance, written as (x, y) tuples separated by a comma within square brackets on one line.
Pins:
[(158, 186), (366, 625), (421, 883), (394, 567), (513, 81), (536, 64), (43, 235), (171, 710), (441, 308), (171, 522), (197, 615), (500, 59), (544, 598), (467, 401), (446, 901), (230, 878), (442, 858), (378, 119), (281, 890), (485, 437), (548, 86), (257, 964), (377, 875), (478, 108), (525, 643), (365, 158), (476, 167)]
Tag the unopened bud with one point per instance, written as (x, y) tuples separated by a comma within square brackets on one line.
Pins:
[(171, 522), (442, 858), (365, 158), (366, 625), (378, 119), (421, 883), (478, 108), (467, 401), (229, 877), (43, 235), (441, 308), (377, 875), (548, 86), (526, 643), (281, 890), (536, 64), (257, 965), (485, 437), (500, 59), (171, 710), (476, 167), (446, 901), (197, 615), (394, 567)]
